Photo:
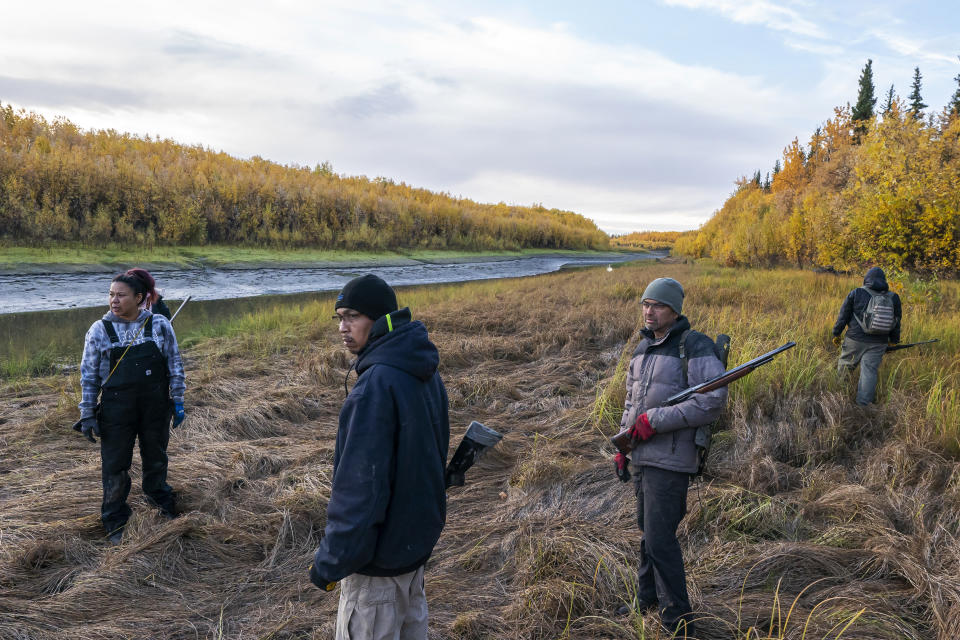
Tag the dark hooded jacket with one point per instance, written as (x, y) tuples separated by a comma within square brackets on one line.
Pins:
[(388, 503), (855, 305)]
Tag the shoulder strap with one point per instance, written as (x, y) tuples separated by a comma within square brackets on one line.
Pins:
[(148, 328), (683, 357), (111, 332)]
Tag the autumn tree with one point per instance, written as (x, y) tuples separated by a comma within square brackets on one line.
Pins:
[(892, 198), (59, 184)]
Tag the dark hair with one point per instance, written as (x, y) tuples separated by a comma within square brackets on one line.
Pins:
[(141, 282)]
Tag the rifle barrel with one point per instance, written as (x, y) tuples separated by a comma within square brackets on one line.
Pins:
[(745, 368), (180, 308), (898, 347)]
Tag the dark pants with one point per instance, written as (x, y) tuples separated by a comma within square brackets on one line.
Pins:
[(661, 505), (126, 415)]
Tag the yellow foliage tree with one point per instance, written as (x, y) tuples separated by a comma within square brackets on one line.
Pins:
[(60, 184)]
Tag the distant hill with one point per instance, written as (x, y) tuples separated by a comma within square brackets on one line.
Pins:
[(62, 184), (881, 190)]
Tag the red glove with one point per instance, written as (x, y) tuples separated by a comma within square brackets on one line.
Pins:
[(622, 471), (641, 429)]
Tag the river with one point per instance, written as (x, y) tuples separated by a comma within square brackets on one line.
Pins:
[(49, 313)]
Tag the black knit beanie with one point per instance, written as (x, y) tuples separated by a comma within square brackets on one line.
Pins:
[(369, 295)]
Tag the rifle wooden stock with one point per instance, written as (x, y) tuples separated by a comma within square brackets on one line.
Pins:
[(622, 440)]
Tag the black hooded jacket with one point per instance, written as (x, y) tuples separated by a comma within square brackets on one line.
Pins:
[(388, 504), (855, 304)]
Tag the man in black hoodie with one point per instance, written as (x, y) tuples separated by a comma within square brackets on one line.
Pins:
[(872, 313), (388, 502)]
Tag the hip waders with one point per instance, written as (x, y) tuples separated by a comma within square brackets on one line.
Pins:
[(135, 404)]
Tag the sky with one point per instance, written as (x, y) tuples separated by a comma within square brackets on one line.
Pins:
[(638, 114)]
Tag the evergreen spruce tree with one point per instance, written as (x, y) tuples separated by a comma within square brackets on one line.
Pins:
[(953, 108), (888, 105), (756, 178), (776, 168), (863, 110), (917, 104), (766, 182)]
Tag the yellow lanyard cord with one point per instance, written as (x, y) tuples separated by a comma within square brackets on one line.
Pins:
[(127, 349)]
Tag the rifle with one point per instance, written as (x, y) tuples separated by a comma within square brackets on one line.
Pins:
[(622, 440), (897, 347)]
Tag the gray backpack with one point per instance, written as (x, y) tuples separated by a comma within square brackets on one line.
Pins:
[(704, 434), (879, 317)]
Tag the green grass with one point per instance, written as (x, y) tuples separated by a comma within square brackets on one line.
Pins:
[(40, 363)]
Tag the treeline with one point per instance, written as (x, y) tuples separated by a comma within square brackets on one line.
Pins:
[(645, 240), (868, 188), (59, 183)]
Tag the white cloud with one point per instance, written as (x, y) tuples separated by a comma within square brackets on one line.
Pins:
[(917, 50), (759, 12), (817, 47), (615, 210), (437, 96)]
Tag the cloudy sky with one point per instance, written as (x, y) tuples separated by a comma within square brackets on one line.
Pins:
[(638, 114)]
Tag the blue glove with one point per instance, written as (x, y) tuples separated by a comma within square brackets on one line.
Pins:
[(89, 427), (178, 414)]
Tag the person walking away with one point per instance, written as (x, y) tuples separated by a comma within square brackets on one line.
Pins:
[(670, 358), (388, 501), (872, 315), (132, 361)]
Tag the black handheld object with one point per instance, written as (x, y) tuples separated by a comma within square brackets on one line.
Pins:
[(898, 347), (476, 440)]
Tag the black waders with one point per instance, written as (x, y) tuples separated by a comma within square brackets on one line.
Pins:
[(135, 403)]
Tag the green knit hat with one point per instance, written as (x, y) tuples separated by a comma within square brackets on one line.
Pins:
[(665, 290)]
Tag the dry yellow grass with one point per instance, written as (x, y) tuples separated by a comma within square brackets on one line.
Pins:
[(816, 514)]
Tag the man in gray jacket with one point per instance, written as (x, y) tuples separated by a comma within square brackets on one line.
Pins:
[(669, 359)]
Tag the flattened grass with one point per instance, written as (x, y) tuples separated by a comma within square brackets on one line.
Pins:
[(818, 518)]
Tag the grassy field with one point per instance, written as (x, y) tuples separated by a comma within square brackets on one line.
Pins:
[(78, 258), (818, 519)]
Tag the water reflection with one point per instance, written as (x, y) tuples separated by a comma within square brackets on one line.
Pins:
[(60, 334)]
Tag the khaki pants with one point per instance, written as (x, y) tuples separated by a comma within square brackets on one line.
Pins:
[(868, 355), (378, 608)]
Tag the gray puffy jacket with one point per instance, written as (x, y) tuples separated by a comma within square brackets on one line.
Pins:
[(655, 374)]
